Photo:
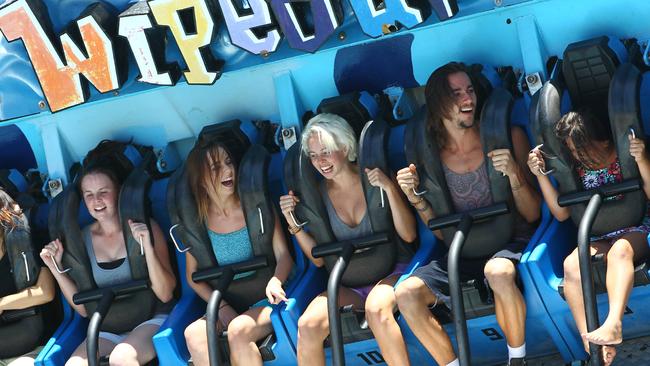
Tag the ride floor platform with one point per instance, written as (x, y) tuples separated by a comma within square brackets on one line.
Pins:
[(632, 352)]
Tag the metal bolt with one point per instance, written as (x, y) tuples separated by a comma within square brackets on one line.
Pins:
[(264, 53), (116, 92), (54, 184), (342, 36), (531, 79), (41, 104), (163, 164), (498, 2)]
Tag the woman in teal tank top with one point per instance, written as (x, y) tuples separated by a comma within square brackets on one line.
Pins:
[(213, 180)]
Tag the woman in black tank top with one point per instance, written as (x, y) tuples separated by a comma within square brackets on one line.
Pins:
[(42, 292)]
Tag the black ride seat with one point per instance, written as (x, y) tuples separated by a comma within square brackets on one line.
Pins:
[(485, 237), (259, 214), (595, 79), (127, 310), (368, 265), (21, 330)]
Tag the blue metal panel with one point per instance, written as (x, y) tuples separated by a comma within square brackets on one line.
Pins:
[(16, 152), (375, 66)]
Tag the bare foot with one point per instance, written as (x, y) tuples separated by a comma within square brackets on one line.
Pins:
[(609, 352), (607, 334)]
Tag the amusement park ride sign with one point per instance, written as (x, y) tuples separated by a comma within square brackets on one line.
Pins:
[(91, 47)]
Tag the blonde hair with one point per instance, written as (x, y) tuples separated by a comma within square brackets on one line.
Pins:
[(333, 132)]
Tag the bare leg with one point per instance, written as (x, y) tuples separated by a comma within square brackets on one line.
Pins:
[(380, 305), (509, 302), (243, 333), (313, 326), (196, 337), (626, 250), (136, 348), (413, 300), (573, 287), (79, 357)]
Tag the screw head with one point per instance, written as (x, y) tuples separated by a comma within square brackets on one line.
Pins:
[(41, 104), (531, 79), (498, 2), (342, 36), (264, 53)]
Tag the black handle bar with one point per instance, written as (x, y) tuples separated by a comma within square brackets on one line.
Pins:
[(240, 267), (475, 214), (608, 190), (84, 297), (336, 248)]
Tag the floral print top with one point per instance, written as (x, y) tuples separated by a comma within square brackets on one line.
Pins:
[(611, 174)]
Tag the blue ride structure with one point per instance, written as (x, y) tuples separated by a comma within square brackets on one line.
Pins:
[(156, 73)]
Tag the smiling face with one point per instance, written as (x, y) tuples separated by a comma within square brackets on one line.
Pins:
[(329, 163), (100, 195), (219, 175), (463, 111)]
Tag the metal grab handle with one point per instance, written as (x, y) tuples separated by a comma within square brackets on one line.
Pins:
[(141, 246), (295, 222), (632, 133), (171, 234), (26, 269), (419, 193), (259, 211), (56, 266), (545, 156), (381, 193)]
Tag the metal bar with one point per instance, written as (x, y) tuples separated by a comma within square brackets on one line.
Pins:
[(586, 276), (457, 305), (336, 333), (92, 335), (212, 317)]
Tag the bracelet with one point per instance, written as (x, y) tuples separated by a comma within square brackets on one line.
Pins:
[(293, 230), (424, 208), (414, 204)]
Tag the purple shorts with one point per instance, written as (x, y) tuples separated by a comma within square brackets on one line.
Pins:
[(399, 270)]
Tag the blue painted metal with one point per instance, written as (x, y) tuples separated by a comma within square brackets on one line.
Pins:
[(17, 152), (281, 87)]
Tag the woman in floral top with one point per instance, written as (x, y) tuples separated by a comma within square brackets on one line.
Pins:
[(597, 163)]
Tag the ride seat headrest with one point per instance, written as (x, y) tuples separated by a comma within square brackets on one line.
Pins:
[(356, 108), (588, 68), (228, 133)]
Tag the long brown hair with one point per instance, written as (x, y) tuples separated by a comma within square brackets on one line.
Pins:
[(198, 168), (11, 218), (584, 129), (440, 99)]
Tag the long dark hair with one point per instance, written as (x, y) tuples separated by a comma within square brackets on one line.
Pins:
[(11, 217), (584, 129), (198, 167), (101, 160), (440, 99)]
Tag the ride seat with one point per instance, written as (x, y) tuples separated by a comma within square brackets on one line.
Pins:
[(259, 215), (595, 78), (486, 237), (131, 310), (21, 330), (372, 264)]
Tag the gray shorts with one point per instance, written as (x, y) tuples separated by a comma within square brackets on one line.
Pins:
[(436, 276)]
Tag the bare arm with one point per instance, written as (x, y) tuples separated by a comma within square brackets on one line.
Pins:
[(305, 240), (536, 165), (201, 288), (637, 150), (41, 293), (54, 249), (161, 275), (527, 198), (274, 291), (409, 181)]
